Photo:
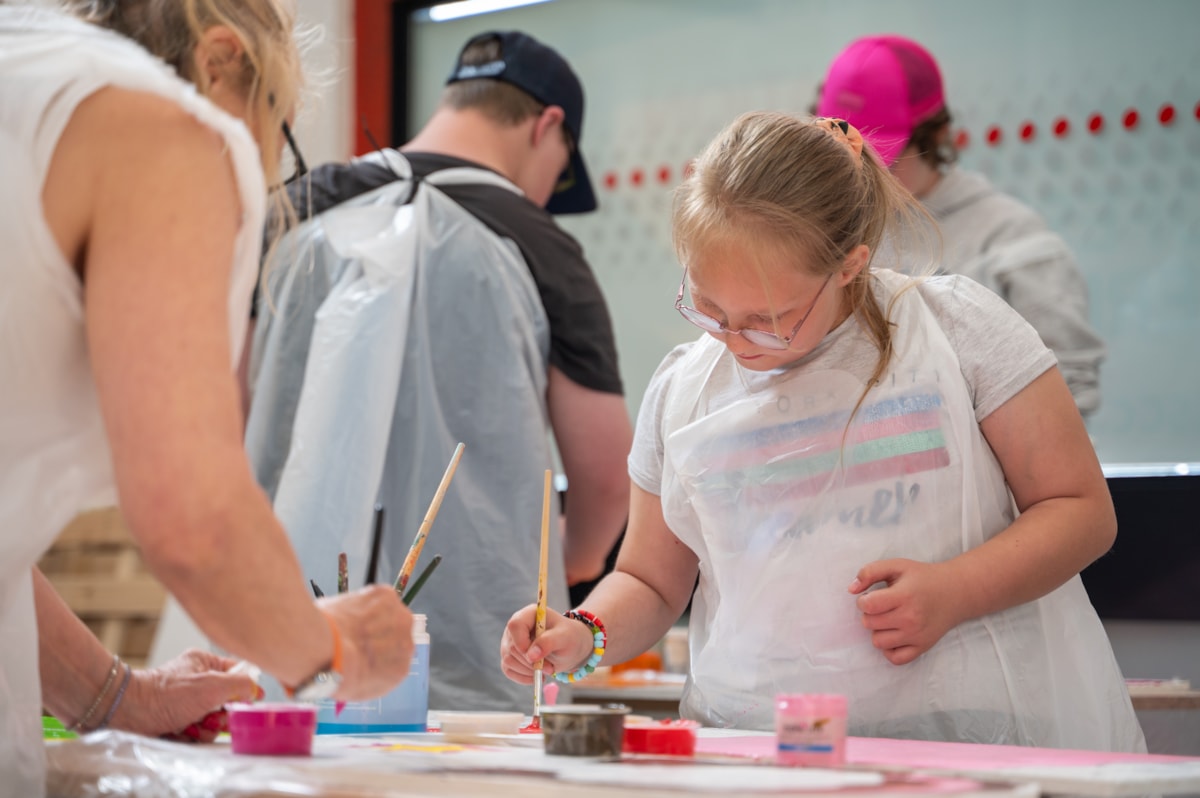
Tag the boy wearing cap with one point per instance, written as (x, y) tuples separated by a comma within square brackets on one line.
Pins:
[(506, 331), (891, 89)]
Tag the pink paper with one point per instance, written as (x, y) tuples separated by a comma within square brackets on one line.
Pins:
[(936, 755)]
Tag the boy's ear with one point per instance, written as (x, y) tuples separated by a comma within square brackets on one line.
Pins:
[(550, 120)]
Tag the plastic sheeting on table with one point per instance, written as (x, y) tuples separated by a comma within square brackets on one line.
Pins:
[(119, 764)]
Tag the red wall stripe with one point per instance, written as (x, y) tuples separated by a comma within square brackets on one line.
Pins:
[(372, 72)]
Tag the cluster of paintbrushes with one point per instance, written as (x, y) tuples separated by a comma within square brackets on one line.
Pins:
[(407, 594), (414, 552)]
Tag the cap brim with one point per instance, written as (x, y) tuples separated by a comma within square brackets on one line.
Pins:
[(577, 196)]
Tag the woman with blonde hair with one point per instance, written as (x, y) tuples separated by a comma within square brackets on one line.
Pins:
[(881, 482), (136, 136)]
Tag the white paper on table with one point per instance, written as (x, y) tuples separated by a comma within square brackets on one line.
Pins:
[(1116, 778), (718, 778)]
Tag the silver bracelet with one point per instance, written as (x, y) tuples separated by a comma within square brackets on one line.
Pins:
[(86, 716), (116, 701)]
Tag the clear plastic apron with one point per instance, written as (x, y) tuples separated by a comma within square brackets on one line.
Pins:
[(783, 502), (400, 329)]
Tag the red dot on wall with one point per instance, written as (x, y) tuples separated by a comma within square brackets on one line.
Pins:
[(610, 180), (1196, 111), (664, 174), (993, 135), (1028, 131), (1130, 120), (1061, 127), (961, 139), (1166, 114), (636, 177), (1095, 123)]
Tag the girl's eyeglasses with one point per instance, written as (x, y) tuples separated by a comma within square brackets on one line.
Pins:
[(767, 340)]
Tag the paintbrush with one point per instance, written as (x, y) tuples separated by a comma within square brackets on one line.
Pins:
[(420, 580), (414, 551), (343, 586), (540, 615), (317, 591), (376, 539)]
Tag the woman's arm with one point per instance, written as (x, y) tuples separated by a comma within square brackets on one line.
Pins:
[(142, 197), (1066, 522), (74, 668)]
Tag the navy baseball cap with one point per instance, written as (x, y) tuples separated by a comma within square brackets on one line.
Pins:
[(543, 74)]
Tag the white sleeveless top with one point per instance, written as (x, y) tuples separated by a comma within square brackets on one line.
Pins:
[(54, 456)]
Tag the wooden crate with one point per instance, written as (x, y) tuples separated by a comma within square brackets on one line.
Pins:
[(98, 569)]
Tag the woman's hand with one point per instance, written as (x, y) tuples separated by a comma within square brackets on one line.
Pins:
[(377, 644), (564, 646), (183, 698)]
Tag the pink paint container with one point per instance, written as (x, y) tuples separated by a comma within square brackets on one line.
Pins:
[(272, 729), (810, 729)]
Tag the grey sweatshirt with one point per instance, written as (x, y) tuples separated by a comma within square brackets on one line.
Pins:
[(998, 241)]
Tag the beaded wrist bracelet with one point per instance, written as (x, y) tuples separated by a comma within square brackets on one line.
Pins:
[(599, 641)]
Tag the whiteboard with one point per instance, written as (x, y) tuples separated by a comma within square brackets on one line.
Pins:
[(663, 76)]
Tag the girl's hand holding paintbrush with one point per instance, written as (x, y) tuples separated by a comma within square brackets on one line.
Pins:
[(565, 645)]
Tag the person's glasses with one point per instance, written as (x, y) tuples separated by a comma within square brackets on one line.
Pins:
[(767, 340), (301, 167)]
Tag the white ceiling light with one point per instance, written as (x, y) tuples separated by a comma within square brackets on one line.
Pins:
[(470, 8)]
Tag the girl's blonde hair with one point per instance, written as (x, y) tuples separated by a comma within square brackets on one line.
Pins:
[(792, 187)]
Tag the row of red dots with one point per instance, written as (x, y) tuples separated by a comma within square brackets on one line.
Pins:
[(1061, 126), (994, 134)]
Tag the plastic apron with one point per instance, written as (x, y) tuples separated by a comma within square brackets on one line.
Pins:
[(783, 503), (398, 326)]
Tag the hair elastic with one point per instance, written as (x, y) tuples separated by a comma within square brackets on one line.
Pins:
[(845, 132)]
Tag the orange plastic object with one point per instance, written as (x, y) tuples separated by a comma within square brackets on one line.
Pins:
[(670, 737), (646, 661)]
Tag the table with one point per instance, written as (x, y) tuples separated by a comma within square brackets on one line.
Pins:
[(119, 764)]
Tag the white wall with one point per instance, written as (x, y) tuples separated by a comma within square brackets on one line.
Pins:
[(325, 125)]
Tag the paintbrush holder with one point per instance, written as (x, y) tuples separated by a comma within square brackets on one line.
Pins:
[(404, 709)]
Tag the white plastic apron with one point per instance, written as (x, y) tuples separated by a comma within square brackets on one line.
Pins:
[(399, 329), (783, 504)]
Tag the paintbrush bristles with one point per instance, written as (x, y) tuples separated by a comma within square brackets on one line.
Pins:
[(418, 543)]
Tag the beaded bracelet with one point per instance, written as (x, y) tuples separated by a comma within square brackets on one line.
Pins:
[(116, 701), (599, 641), (87, 716)]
